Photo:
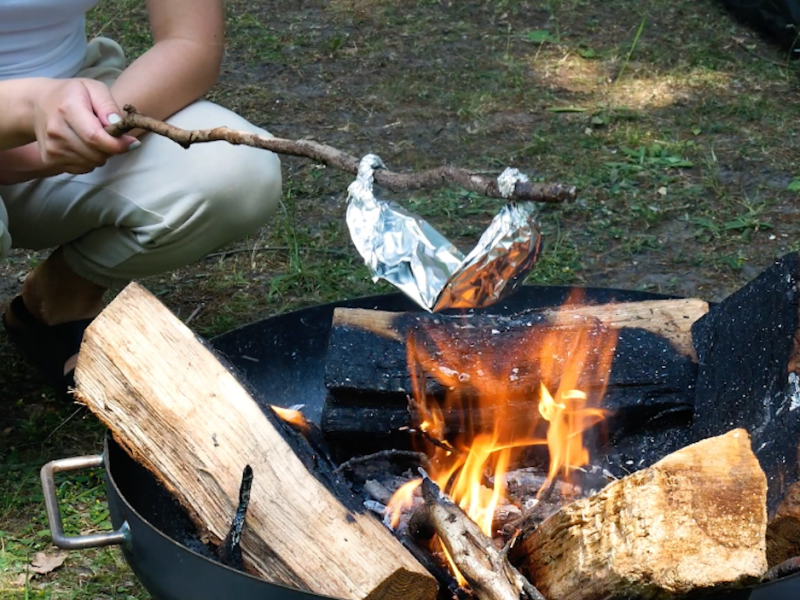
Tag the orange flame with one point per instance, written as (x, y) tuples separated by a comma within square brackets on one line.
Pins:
[(295, 417), (478, 373), (401, 500)]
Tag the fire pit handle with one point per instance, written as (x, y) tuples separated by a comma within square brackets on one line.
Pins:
[(94, 540)]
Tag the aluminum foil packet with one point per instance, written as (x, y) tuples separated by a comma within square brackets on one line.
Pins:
[(408, 252)]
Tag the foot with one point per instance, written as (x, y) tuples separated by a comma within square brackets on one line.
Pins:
[(52, 348), (48, 320)]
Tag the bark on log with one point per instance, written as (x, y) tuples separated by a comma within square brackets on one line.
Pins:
[(177, 410), (693, 522), (783, 531), (749, 377)]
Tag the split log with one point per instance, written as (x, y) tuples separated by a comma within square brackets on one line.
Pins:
[(749, 377), (692, 523), (179, 412), (368, 378)]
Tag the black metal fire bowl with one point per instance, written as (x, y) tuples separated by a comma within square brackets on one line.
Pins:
[(282, 358)]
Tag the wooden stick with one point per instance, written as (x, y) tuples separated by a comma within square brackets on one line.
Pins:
[(485, 568), (333, 157)]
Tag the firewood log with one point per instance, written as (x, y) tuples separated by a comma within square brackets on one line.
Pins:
[(368, 378), (178, 411), (487, 570), (691, 523), (749, 377), (367, 361)]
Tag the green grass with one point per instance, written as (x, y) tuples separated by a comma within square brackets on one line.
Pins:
[(678, 126)]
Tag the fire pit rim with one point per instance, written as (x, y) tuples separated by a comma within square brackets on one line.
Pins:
[(308, 317)]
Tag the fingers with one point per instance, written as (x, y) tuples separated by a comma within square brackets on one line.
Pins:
[(101, 110), (71, 126)]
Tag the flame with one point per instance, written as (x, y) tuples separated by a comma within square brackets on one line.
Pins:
[(401, 500), (292, 416), (470, 464)]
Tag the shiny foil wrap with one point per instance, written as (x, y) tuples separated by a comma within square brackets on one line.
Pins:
[(408, 252)]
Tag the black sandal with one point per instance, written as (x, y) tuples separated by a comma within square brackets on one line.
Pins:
[(49, 347)]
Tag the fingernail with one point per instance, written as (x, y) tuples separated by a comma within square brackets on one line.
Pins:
[(134, 145), (114, 118)]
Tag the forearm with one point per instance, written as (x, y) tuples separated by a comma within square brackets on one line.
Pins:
[(23, 163), (19, 154), (171, 75), (17, 99)]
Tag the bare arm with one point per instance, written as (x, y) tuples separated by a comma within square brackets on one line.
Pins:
[(184, 61), (181, 66), (65, 119)]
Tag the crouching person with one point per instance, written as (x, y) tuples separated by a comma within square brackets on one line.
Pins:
[(113, 209)]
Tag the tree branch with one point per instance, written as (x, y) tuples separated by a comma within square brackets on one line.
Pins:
[(333, 157), (487, 570)]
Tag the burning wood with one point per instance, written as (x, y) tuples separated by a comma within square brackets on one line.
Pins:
[(369, 380), (179, 412), (487, 570), (695, 521)]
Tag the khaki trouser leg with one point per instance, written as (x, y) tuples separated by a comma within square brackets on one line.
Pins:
[(154, 209)]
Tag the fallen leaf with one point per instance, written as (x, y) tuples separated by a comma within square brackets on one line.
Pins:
[(20, 581), (662, 190), (45, 563)]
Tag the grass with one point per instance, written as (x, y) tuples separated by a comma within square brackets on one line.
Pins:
[(678, 126)]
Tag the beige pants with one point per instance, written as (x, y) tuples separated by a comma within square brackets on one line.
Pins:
[(152, 210)]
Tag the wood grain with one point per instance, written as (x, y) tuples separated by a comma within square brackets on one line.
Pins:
[(176, 409)]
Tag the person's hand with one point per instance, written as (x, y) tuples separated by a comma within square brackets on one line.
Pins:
[(70, 117)]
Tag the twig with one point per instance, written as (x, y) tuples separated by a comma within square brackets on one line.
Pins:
[(64, 422), (333, 157), (389, 453), (487, 570), (194, 314)]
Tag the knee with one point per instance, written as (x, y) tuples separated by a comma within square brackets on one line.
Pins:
[(240, 188)]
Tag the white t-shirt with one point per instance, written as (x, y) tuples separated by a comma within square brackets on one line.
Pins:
[(42, 38)]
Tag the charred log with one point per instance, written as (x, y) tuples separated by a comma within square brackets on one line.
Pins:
[(749, 377), (651, 383)]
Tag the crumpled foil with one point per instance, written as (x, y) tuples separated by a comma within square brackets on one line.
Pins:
[(408, 252)]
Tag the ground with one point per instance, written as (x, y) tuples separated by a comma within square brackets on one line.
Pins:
[(678, 125)]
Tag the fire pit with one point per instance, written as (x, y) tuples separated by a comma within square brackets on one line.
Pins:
[(283, 359)]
